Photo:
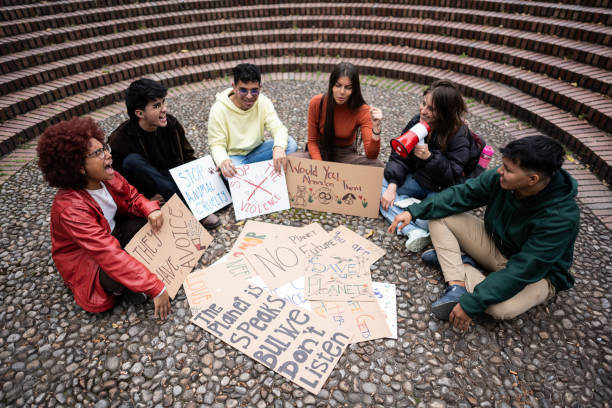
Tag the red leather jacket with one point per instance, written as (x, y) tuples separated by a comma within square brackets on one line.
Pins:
[(82, 244)]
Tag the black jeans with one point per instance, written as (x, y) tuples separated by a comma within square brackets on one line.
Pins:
[(125, 229)]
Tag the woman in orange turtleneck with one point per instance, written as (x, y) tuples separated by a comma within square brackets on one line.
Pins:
[(335, 139)]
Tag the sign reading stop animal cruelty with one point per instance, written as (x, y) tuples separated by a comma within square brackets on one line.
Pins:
[(201, 186), (293, 342), (258, 189), (176, 249), (334, 187)]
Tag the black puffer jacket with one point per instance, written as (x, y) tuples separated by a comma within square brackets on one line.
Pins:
[(441, 170)]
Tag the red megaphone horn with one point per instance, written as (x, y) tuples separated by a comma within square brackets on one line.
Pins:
[(415, 135)]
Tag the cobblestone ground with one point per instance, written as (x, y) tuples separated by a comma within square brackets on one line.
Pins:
[(52, 353)]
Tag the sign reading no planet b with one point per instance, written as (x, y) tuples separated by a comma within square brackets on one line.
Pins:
[(201, 186)]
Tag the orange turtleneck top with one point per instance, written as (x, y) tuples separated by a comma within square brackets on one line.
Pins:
[(346, 122)]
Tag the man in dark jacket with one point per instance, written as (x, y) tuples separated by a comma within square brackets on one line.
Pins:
[(525, 244), (150, 143)]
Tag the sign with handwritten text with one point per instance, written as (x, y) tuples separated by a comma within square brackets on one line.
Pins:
[(176, 249), (258, 189), (362, 321), (293, 342), (385, 294), (201, 186), (334, 187), (280, 260), (336, 278)]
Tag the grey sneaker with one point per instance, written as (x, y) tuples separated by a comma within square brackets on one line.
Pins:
[(417, 240)]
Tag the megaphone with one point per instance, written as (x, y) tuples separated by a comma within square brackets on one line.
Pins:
[(415, 135)]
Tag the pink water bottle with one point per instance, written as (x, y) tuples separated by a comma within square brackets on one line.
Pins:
[(485, 156)]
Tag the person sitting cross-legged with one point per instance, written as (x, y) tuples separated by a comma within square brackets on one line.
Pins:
[(525, 244), (237, 121), (150, 143)]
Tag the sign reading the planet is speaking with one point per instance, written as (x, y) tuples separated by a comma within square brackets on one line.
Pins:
[(176, 249), (334, 187), (201, 186), (258, 189), (293, 342)]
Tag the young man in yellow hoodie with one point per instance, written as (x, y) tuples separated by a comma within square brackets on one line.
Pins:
[(237, 121)]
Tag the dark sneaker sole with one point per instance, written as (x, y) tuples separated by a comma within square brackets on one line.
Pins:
[(442, 311), (212, 226)]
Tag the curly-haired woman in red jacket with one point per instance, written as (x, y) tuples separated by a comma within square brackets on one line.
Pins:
[(92, 219)]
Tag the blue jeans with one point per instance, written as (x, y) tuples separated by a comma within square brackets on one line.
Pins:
[(262, 152), (147, 179), (410, 188)]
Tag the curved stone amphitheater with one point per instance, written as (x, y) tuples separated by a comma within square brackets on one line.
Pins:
[(525, 68), (544, 63)]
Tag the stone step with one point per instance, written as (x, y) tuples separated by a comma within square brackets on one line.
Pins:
[(591, 144), (595, 55), (15, 36), (585, 76), (593, 107), (578, 12)]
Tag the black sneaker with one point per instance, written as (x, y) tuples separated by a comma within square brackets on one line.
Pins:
[(134, 298)]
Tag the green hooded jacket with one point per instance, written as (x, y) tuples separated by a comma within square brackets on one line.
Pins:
[(536, 234)]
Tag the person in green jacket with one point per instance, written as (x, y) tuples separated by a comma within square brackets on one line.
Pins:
[(525, 245)]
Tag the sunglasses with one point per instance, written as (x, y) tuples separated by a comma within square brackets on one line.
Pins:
[(245, 91)]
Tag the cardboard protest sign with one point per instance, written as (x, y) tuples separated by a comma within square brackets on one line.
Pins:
[(293, 342), (354, 244), (222, 272), (361, 320), (282, 259), (334, 187), (258, 189), (255, 233), (176, 249), (201, 186), (385, 294), (337, 279)]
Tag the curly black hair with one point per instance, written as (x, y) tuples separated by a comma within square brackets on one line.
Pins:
[(61, 151)]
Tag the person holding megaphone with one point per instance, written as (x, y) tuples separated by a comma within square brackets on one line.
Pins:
[(431, 154)]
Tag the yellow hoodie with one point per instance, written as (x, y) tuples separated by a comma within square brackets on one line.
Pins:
[(233, 131)]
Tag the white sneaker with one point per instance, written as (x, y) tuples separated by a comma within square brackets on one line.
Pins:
[(417, 240), (406, 202)]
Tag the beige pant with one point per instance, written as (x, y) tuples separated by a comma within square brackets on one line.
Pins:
[(466, 232)]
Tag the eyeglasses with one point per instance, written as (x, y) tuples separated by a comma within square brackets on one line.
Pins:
[(99, 153), (245, 91)]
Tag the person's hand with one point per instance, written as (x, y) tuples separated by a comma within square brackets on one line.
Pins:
[(388, 196), (159, 198), (377, 116), (156, 219), (162, 305), (422, 151), (400, 221), (227, 168), (279, 158), (459, 318)]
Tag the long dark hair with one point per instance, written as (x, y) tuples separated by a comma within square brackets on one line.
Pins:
[(449, 109), (355, 101)]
